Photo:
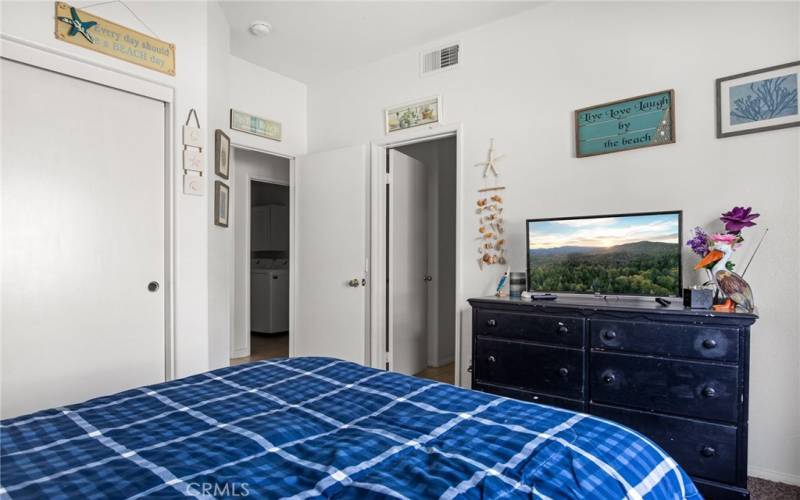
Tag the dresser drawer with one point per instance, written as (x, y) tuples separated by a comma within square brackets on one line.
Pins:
[(567, 404), (687, 388), (558, 330), (675, 340), (536, 368), (703, 449)]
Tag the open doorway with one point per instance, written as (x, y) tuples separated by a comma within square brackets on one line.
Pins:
[(261, 238), (421, 259)]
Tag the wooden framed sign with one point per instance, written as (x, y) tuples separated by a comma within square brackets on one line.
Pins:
[(639, 122), (86, 30)]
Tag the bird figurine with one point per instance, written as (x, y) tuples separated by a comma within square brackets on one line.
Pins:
[(731, 284)]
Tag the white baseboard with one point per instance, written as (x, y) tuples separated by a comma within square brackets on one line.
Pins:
[(771, 475), (239, 353)]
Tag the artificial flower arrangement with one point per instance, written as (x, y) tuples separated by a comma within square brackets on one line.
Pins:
[(715, 251)]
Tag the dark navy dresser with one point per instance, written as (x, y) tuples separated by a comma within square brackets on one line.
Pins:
[(678, 376)]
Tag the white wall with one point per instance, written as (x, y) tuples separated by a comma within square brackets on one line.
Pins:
[(521, 79), (220, 243), (258, 91), (184, 24), (247, 164)]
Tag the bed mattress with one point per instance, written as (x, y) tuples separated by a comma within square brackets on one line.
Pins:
[(321, 427)]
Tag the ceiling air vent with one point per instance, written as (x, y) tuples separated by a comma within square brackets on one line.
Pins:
[(440, 59)]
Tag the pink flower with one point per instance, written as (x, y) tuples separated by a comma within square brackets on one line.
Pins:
[(730, 239)]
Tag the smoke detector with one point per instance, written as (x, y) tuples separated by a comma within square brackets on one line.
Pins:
[(260, 28)]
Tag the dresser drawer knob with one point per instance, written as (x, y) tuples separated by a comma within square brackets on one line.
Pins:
[(708, 451), (709, 392), (709, 343), (609, 334), (491, 322), (562, 328), (609, 378), (563, 372), (492, 359)]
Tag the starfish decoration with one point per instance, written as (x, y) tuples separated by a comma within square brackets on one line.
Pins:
[(489, 164), (78, 26)]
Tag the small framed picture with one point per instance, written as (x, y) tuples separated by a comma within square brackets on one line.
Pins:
[(221, 203), (262, 127), (760, 100), (222, 154), (413, 114)]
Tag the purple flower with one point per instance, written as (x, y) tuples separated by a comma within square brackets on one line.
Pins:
[(738, 218), (699, 243)]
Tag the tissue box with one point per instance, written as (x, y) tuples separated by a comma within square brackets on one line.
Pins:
[(698, 298)]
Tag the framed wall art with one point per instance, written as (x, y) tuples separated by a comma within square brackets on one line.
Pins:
[(244, 122), (633, 123), (221, 203), (757, 101), (413, 114), (222, 154)]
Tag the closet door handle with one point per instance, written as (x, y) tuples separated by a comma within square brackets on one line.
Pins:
[(353, 283), (153, 286)]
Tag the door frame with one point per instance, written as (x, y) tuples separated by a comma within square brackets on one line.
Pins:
[(57, 61), (292, 248), (378, 250)]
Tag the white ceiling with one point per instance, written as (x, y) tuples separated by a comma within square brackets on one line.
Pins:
[(313, 40)]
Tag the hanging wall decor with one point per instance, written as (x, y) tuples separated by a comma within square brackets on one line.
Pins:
[(757, 101), (86, 30), (222, 154), (639, 122), (221, 203), (261, 127), (194, 159), (491, 228), (426, 111)]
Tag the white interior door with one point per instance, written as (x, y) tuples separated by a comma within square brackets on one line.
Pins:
[(330, 280), (82, 237), (408, 264)]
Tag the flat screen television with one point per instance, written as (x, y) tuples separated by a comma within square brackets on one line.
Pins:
[(628, 254)]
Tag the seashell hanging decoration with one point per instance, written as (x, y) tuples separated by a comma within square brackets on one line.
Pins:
[(492, 247)]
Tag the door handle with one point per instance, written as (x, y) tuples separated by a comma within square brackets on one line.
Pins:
[(354, 283), (153, 286), (428, 278)]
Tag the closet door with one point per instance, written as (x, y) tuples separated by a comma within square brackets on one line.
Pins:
[(83, 231), (329, 277)]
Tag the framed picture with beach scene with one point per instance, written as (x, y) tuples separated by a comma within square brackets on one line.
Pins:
[(426, 111)]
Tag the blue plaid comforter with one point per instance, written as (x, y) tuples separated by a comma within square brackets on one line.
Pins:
[(320, 427)]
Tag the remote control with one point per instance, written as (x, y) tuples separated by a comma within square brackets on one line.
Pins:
[(664, 302)]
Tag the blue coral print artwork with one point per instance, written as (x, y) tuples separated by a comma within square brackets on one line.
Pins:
[(763, 100)]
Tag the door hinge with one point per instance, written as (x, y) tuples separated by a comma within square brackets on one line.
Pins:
[(388, 178)]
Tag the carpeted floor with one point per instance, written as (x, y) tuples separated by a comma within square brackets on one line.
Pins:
[(761, 489)]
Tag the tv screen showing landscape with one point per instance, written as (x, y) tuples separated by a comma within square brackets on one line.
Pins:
[(637, 254)]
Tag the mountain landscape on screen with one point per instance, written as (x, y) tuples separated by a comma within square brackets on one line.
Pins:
[(626, 255)]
